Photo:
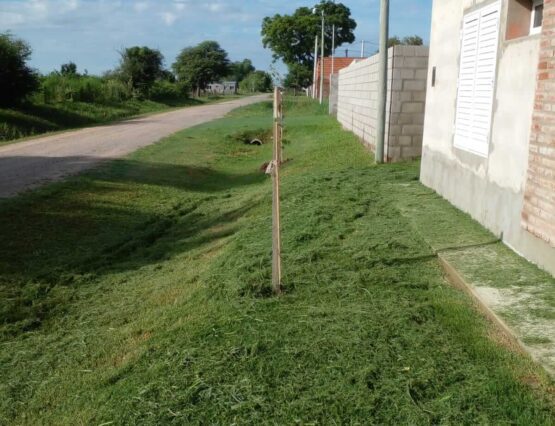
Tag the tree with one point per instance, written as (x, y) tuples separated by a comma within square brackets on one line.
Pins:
[(291, 37), (140, 67), (239, 70), (257, 81), (198, 66), (69, 69), (17, 79), (298, 77), (406, 41)]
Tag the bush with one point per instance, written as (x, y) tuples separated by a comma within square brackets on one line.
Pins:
[(74, 88), (164, 90), (258, 81), (17, 79)]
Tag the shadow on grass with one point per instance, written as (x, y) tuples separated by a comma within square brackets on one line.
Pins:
[(61, 240), (20, 172)]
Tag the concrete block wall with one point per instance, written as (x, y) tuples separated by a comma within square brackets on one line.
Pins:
[(358, 101), (538, 216)]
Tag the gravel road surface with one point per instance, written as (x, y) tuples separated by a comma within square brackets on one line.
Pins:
[(29, 164)]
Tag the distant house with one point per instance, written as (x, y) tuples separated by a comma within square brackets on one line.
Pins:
[(337, 64), (489, 132), (224, 88)]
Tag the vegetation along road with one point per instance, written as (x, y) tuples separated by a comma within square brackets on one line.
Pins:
[(29, 164), (138, 293)]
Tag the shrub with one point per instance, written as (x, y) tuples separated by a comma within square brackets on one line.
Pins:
[(17, 79), (258, 81), (74, 88)]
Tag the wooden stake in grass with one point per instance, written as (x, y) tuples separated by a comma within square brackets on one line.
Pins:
[(276, 226)]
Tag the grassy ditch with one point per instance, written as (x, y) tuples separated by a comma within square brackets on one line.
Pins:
[(38, 118), (139, 294)]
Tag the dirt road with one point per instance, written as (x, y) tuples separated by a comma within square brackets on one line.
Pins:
[(33, 163)]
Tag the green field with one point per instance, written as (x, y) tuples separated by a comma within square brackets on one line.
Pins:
[(37, 118), (139, 294)]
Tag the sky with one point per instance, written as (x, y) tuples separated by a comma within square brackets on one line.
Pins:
[(91, 32)]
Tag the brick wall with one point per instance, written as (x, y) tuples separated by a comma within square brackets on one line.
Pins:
[(337, 64), (538, 215), (358, 101)]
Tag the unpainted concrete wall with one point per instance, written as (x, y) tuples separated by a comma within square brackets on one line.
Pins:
[(358, 101), (334, 86), (490, 189)]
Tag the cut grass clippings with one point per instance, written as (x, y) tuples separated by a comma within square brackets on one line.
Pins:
[(139, 293)]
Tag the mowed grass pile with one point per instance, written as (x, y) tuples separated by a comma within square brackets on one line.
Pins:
[(139, 294), (35, 118)]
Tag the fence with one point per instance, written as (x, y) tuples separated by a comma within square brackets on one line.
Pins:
[(357, 101)]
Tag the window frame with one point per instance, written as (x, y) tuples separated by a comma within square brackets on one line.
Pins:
[(535, 30)]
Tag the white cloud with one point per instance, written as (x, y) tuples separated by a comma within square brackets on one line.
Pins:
[(72, 4), (141, 6), (169, 18), (215, 7)]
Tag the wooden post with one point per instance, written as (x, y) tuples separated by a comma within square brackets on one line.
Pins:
[(276, 225)]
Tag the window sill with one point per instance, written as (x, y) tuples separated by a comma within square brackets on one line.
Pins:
[(523, 38)]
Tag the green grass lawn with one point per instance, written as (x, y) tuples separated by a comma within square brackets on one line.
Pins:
[(139, 293), (35, 119)]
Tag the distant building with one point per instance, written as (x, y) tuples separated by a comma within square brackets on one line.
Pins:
[(337, 64), (224, 88)]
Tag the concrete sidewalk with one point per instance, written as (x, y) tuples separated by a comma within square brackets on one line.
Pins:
[(519, 295)]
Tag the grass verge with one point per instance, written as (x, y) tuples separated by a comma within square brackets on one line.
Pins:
[(37, 119), (139, 294)]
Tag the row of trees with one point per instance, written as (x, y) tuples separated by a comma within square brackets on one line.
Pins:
[(140, 74), (291, 37)]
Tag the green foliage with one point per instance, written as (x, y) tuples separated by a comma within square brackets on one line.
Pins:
[(406, 41), (201, 65), (136, 293), (239, 70), (69, 69), (140, 67), (257, 81), (298, 77), (17, 79), (291, 37), (164, 90), (70, 87)]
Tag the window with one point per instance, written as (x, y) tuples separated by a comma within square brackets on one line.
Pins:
[(537, 17), (524, 18), (479, 46)]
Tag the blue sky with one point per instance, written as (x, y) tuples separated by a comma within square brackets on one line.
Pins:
[(91, 32)]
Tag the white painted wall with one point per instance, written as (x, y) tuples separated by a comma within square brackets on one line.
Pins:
[(490, 189)]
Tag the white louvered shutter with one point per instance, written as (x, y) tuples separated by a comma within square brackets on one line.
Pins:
[(480, 39)]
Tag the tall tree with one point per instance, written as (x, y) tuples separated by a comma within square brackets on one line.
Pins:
[(17, 79), (291, 37), (140, 67), (201, 65), (239, 70)]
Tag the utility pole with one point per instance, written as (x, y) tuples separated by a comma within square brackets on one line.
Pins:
[(382, 80), (322, 60), (315, 67), (362, 50), (332, 54)]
